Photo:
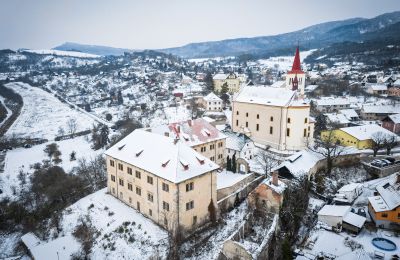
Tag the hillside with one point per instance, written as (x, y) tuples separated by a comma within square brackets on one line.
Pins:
[(92, 49), (315, 36)]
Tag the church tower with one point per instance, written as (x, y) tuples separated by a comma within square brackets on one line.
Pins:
[(296, 78)]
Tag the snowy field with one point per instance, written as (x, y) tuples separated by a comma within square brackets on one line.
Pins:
[(23, 158), (64, 53), (283, 63), (170, 115), (43, 114), (140, 238), (9, 112)]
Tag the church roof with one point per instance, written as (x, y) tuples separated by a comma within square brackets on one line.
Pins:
[(296, 68)]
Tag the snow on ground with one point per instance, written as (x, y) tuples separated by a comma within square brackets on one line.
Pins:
[(332, 243), (283, 63), (8, 242), (228, 178), (170, 115), (22, 159), (42, 114), (140, 237), (215, 238), (64, 53), (9, 112)]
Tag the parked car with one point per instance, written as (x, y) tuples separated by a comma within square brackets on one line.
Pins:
[(390, 159)]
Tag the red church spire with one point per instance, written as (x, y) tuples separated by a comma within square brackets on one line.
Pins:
[(296, 68)]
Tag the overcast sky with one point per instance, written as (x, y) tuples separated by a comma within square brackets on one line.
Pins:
[(151, 24)]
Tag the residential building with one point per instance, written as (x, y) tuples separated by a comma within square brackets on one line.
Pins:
[(341, 217), (212, 102), (231, 80), (350, 114), (392, 123), (379, 112), (384, 208), (360, 137), (163, 178), (327, 105), (394, 91), (377, 89), (268, 196), (348, 193), (274, 117), (199, 134), (337, 119)]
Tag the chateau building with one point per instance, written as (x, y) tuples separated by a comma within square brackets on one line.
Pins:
[(163, 178), (199, 134)]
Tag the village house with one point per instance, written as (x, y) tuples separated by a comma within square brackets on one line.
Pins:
[(348, 193), (392, 123), (394, 91), (200, 135), (231, 80), (379, 112), (341, 217), (384, 208), (163, 178), (327, 105), (268, 196), (274, 117), (212, 103), (360, 137), (377, 89)]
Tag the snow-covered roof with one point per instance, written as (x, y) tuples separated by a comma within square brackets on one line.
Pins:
[(220, 76), (378, 203), (334, 210), (381, 109), (30, 240), (332, 101), (190, 132), (354, 219), (389, 190), (395, 118), (337, 118), (212, 97), (378, 87), (278, 84), (280, 188), (268, 96), (311, 87), (300, 163), (235, 141), (366, 132), (161, 155), (349, 187), (349, 113)]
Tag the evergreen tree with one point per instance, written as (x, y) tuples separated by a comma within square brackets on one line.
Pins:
[(120, 99), (224, 89), (233, 162), (228, 164)]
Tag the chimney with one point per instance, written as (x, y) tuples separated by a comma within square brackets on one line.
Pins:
[(275, 178), (178, 129), (190, 122), (166, 134)]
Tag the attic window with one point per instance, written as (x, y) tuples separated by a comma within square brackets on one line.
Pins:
[(164, 164), (201, 160), (138, 153), (121, 147), (184, 164)]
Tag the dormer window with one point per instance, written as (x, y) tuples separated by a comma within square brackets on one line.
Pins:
[(121, 147), (184, 164), (138, 153), (201, 160), (164, 164)]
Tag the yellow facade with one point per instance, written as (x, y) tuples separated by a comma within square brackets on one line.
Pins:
[(232, 81), (346, 139), (150, 194)]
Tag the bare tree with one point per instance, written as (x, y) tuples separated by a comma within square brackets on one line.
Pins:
[(328, 146), (72, 125), (389, 143), (267, 161), (378, 140)]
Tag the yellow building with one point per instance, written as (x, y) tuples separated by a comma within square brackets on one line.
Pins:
[(162, 178), (274, 117), (359, 137), (231, 80)]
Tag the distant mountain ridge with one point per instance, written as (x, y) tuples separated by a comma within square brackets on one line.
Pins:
[(315, 36), (92, 49), (312, 37)]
